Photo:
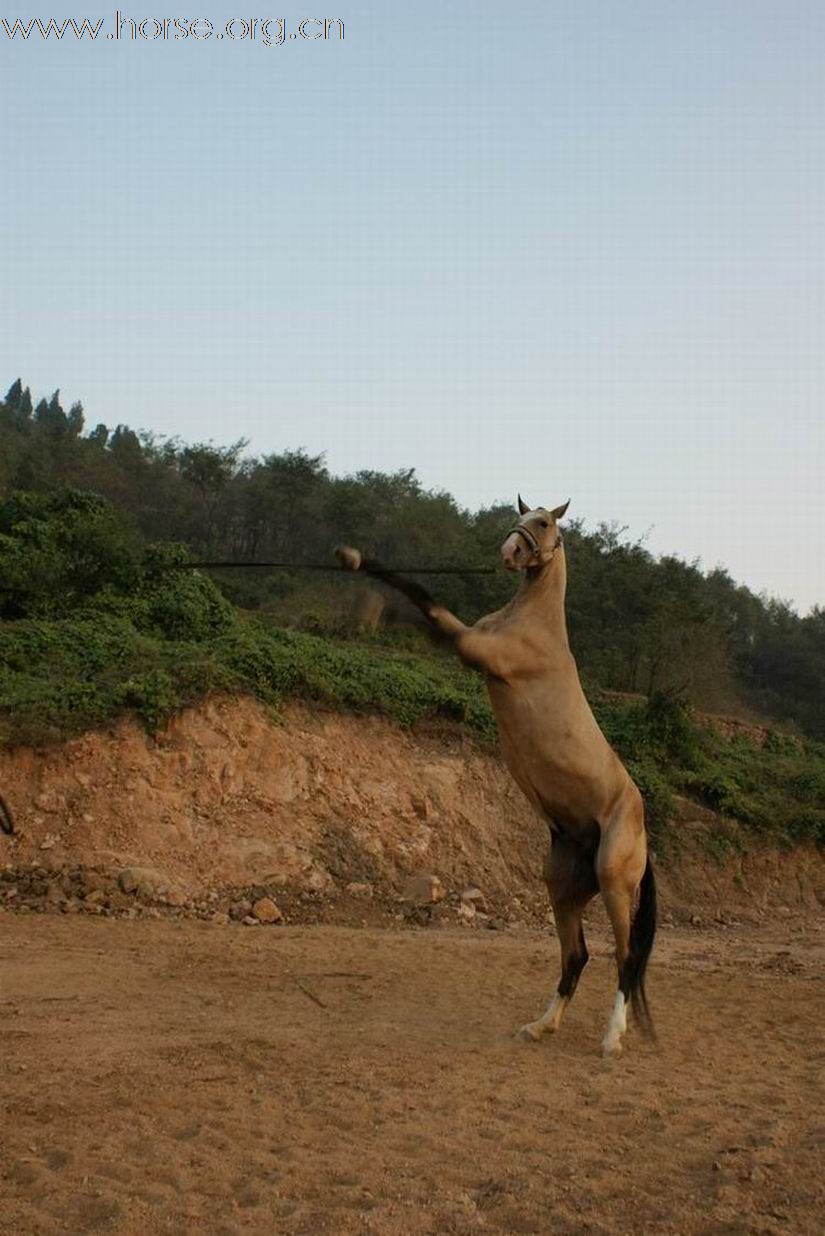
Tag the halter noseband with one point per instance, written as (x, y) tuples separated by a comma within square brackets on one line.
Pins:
[(532, 541)]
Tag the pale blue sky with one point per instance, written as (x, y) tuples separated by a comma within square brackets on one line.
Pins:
[(573, 249)]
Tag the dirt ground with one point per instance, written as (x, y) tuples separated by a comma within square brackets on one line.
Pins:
[(183, 1077)]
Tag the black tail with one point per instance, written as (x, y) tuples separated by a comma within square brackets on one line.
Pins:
[(642, 934), (6, 820)]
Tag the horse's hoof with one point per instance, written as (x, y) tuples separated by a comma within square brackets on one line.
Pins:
[(349, 558), (531, 1033)]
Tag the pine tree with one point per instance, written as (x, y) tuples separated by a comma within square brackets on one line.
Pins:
[(13, 396)]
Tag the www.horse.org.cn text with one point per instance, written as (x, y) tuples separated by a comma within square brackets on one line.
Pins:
[(268, 31)]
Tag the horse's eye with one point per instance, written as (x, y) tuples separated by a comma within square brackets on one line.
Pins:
[(543, 523)]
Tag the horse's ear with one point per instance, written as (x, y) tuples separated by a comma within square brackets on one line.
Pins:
[(523, 508), (559, 511)]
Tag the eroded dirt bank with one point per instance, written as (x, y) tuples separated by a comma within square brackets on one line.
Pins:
[(316, 802)]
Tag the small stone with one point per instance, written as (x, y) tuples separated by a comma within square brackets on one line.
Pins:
[(266, 911), (220, 918), (466, 911), (144, 881), (424, 890), (48, 843), (249, 921), (50, 803), (318, 881), (239, 910), (471, 893)]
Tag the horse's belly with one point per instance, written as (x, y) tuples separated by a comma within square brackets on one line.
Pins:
[(551, 760)]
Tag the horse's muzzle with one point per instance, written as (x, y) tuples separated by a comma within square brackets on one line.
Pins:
[(514, 553)]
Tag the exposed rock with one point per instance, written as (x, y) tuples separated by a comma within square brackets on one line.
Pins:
[(240, 910)]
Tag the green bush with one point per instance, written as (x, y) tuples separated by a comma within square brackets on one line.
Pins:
[(57, 550)]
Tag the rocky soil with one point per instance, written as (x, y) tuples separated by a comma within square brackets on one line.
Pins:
[(336, 819)]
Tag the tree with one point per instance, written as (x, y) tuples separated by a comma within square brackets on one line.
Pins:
[(209, 469)]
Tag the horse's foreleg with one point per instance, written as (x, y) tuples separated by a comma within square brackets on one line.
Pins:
[(481, 649), (441, 618), (574, 956)]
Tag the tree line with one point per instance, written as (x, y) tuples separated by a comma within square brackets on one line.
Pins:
[(638, 623)]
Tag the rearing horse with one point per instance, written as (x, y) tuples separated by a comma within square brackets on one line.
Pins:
[(562, 761)]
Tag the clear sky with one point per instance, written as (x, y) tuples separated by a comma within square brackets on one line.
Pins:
[(572, 249)]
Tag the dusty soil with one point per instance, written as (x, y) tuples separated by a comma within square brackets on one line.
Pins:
[(167, 1069), (183, 1077)]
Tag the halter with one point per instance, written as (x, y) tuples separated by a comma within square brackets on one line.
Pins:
[(532, 541)]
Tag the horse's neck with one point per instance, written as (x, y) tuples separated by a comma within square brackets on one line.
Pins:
[(541, 598)]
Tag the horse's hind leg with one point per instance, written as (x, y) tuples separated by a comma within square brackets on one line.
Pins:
[(624, 872), (573, 960), (618, 899), (571, 883)]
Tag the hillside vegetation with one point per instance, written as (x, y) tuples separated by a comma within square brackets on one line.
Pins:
[(638, 624), (95, 623)]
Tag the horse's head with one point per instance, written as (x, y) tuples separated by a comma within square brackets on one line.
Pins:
[(534, 540)]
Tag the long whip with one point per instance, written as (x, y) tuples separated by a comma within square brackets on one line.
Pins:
[(323, 566)]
